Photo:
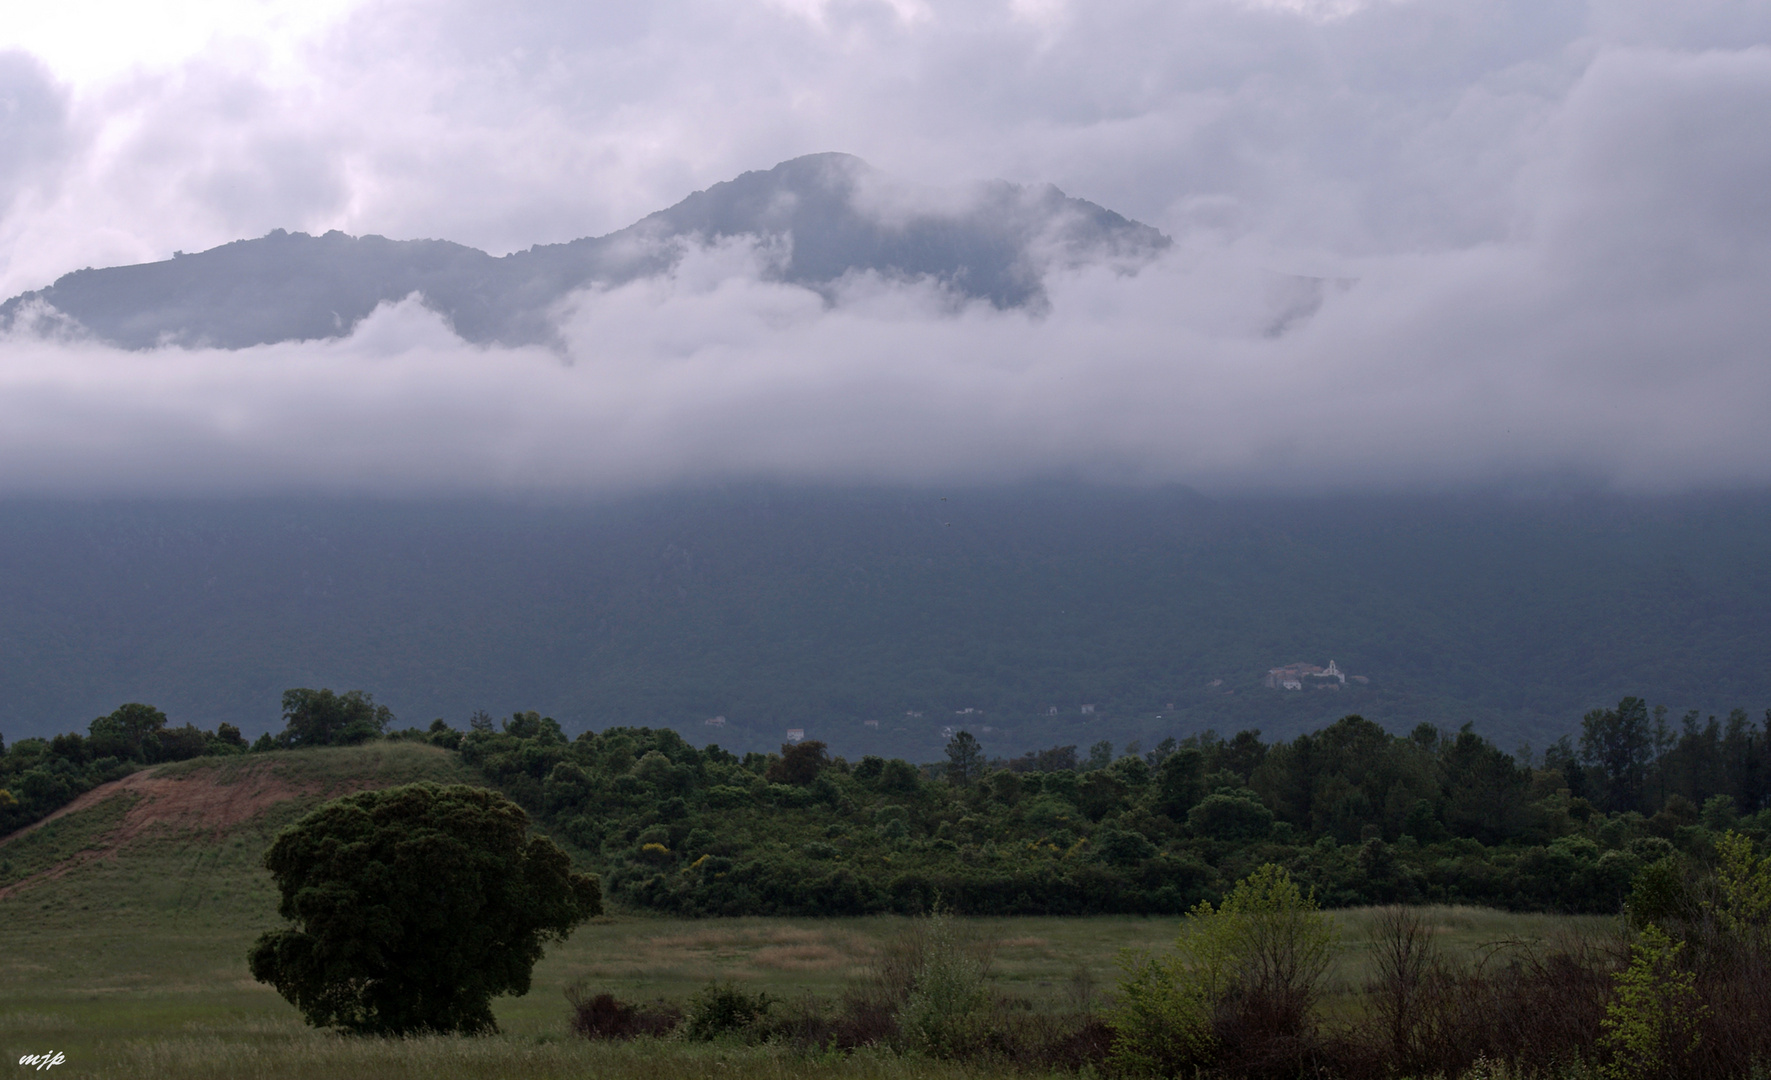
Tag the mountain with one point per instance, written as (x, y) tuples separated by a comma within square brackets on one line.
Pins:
[(842, 612), (830, 215)]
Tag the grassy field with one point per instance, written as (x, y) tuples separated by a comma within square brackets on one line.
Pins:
[(131, 962)]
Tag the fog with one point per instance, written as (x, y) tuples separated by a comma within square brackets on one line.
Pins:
[(1542, 233)]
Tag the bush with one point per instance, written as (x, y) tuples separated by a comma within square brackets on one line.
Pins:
[(602, 1016), (1243, 981), (944, 1012), (1651, 1024), (1162, 1022), (727, 1012)]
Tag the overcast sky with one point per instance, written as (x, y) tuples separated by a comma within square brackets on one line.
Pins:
[(1550, 221)]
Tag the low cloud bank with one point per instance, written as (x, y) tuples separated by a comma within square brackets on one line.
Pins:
[(1536, 243), (1639, 365)]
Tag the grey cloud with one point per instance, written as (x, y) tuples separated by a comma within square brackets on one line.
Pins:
[(1657, 173), (1555, 214), (33, 127)]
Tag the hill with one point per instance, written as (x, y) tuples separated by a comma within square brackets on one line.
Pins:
[(827, 215), (835, 610), (189, 834)]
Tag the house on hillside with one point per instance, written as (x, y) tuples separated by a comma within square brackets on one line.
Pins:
[(796, 734), (1308, 677)]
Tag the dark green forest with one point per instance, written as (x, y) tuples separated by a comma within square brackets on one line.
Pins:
[(843, 612), (1357, 814)]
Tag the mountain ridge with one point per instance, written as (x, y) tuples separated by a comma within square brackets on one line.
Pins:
[(993, 246)]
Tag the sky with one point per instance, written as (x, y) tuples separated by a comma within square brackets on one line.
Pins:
[(1544, 228)]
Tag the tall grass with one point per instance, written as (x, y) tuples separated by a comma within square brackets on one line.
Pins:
[(322, 1057)]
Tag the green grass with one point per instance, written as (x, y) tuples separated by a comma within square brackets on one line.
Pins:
[(55, 842), (133, 965), (139, 993), (379, 763)]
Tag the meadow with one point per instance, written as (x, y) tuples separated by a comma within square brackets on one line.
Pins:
[(131, 961)]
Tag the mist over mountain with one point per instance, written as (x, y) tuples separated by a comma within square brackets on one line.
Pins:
[(822, 218), (875, 618), (690, 466)]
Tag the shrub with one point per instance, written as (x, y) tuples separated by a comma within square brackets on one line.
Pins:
[(1407, 967), (602, 1016), (726, 1012), (944, 1012), (1162, 1022), (1743, 889), (1243, 979), (1651, 1024)]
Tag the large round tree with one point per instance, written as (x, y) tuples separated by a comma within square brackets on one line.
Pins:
[(413, 907)]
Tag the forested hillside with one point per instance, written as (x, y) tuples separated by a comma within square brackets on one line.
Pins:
[(833, 611)]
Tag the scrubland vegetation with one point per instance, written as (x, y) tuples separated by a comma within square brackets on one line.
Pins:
[(1355, 814), (1358, 815), (1229, 882)]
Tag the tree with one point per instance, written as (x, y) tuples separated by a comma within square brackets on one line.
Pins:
[(322, 718), (1486, 795), (1230, 817), (1180, 782), (131, 732), (413, 907), (965, 759), (898, 775), (1619, 744), (799, 763)]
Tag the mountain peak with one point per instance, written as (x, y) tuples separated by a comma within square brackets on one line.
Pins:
[(834, 215)]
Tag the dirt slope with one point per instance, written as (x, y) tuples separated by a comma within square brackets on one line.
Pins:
[(213, 797)]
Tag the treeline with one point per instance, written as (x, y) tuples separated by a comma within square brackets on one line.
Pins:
[(1631, 759), (1358, 815), (38, 776)]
